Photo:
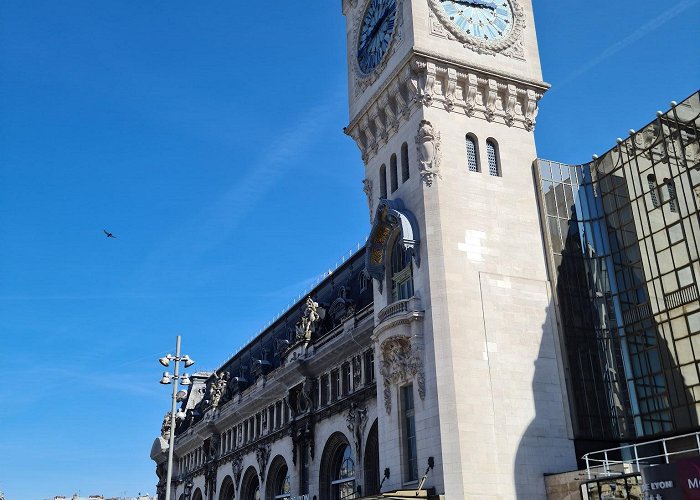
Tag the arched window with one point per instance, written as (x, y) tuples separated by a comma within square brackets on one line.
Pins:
[(472, 153), (343, 474), (652, 190), (382, 181), (371, 462), (250, 485), (401, 272), (405, 173), (672, 200), (394, 173), (493, 159), (278, 484), (227, 491)]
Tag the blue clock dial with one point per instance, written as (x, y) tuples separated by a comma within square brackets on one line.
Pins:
[(487, 20), (375, 33)]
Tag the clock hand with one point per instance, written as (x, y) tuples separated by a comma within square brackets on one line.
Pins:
[(376, 27), (475, 3)]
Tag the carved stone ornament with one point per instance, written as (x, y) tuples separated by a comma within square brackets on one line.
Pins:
[(357, 421), (428, 144), (217, 389), (390, 217), (166, 426), (401, 361), (262, 454), (510, 46), (237, 469), (210, 479), (367, 188), (309, 320), (362, 79)]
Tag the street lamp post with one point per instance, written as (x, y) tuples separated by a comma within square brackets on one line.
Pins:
[(174, 379)]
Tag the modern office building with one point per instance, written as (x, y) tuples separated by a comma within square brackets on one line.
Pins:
[(430, 364), (623, 233)]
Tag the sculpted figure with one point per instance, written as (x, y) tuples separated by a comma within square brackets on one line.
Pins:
[(307, 323), (428, 143), (165, 428), (217, 389)]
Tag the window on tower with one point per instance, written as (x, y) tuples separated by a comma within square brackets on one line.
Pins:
[(472, 153), (405, 174), (401, 271), (493, 157), (382, 181), (393, 170)]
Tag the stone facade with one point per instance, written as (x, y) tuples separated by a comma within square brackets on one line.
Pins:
[(430, 360)]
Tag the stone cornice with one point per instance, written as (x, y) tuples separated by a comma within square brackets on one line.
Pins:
[(424, 80)]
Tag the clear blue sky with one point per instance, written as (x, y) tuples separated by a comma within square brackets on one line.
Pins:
[(208, 137)]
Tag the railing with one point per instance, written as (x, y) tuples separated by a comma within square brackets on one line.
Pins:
[(393, 309), (609, 462), (681, 297)]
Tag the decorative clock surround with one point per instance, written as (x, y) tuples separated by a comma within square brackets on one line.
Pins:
[(511, 40), (422, 81), (365, 79)]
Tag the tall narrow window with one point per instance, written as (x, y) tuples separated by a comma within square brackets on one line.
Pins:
[(672, 200), (492, 155), (394, 173), (382, 181), (652, 190), (401, 272), (369, 366), (346, 379), (472, 153), (335, 385), (409, 432), (405, 173), (343, 470)]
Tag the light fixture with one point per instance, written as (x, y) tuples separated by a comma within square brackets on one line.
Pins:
[(175, 378), (188, 362)]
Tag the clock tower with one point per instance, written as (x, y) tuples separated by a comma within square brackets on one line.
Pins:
[(443, 99)]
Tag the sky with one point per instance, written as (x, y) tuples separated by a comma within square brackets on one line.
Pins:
[(207, 136)]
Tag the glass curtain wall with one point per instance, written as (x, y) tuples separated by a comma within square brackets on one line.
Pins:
[(623, 234)]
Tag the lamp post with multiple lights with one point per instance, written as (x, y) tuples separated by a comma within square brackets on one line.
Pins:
[(174, 380)]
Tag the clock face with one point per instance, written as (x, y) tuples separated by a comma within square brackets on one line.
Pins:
[(375, 33), (485, 20)]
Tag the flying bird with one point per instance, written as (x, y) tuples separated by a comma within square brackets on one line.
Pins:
[(109, 235)]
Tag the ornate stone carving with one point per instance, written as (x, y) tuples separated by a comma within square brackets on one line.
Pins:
[(511, 103), (425, 81), (367, 188), (237, 469), (217, 389), (531, 109), (356, 422), (210, 478), (401, 361), (450, 88), (309, 320), (471, 91), (262, 455), (505, 46), (166, 426), (491, 99), (342, 307), (428, 142)]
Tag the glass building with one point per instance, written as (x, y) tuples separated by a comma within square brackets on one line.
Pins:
[(623, 234)]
